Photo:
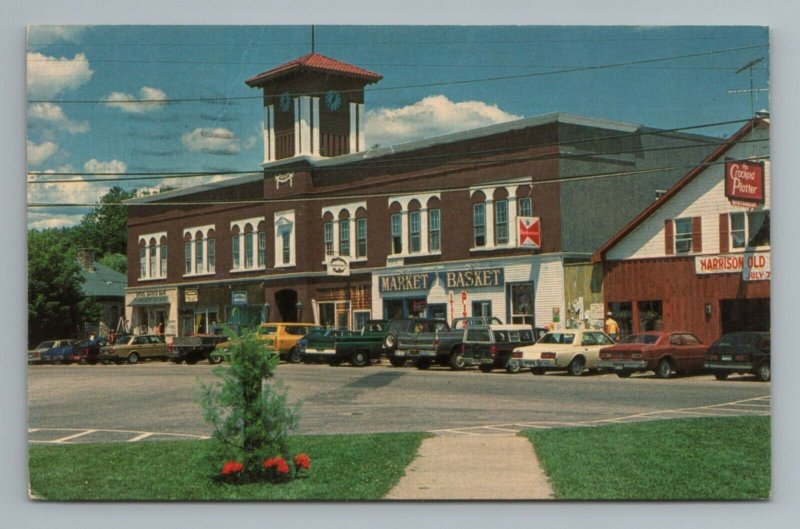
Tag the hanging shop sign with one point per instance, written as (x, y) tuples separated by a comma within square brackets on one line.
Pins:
[(336, 265), (744, 182), (752, 266), (404, 282), (529, 232), (482, 277), (190, 295), (239, 297)]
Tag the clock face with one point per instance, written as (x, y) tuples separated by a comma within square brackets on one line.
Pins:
[(333, 100), (285, 101)]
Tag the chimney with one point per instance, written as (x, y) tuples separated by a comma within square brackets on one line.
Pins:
[(86, 259)]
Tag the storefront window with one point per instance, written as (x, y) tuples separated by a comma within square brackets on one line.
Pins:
[(479, 224), (622, 312), (438, 311), (650, 315), (521, 303), (204, 321), (360, 318), (434, 237), (482, 308)]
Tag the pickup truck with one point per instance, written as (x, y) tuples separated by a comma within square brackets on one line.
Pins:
[(490, 346), (358, 348), (192, 349), (432, 340)]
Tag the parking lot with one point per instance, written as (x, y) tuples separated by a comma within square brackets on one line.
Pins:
[(158, 400)]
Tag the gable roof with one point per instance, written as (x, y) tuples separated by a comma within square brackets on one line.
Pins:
[(719, 152), (103, 282), (316, 63)]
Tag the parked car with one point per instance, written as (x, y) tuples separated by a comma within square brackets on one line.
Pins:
[(658, 351), (741, 353), (490, 346), (570, 350), (282, 338), (337, 346), (431, 340), (132, 348), (88, 350), (53, 352)]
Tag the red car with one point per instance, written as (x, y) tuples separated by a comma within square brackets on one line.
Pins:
[(661, 352)]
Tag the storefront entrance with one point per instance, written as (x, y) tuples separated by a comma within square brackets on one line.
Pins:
[(405, 308), (286, 300), (745, 315)]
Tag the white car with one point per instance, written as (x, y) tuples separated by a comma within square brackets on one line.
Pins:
[(571, 350)]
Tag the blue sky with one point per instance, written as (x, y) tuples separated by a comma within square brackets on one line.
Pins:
[(88, 82)]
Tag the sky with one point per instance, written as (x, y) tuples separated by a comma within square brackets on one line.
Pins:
[(88, 89)]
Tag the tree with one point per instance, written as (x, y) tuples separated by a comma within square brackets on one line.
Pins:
[(56, 305), (104, 229), (115, 261)]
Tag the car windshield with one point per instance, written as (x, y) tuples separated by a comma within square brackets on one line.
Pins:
[(558, 337), (122, 340), (272, 329), (45, 345), (647, 339)]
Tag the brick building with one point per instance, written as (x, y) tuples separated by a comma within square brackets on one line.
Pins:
[(336, 233), (698, 259)]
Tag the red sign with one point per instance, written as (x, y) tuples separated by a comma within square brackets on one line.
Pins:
[(529, 232), (744, 182)]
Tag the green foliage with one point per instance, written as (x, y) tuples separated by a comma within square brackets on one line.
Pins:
[(56, 306), (721, 458), (248, 407), (104, 229), (115, 261)]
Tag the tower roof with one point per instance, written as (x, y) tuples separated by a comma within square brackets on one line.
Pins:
[(316, 63)]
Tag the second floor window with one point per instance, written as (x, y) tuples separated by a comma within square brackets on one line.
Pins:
[(248, 250), (262, 248), (361, 237), (749, 229), (414, 231), (286, 246), (198, 256), (683, 235), (525, 207), (434, 225), (344, 237), (479, 224), (163, 270), (501, 221), (212, 255), (187, 257), (397, 233), (142, 262), (327, 237), (235, 251)]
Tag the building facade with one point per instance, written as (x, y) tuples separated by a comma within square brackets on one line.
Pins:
[(335, 233), (698, 259)]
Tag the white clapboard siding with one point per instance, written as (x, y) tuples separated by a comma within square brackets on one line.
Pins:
[(703, 197)]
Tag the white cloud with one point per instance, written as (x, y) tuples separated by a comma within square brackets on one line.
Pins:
[(137, 105), (113, 167), (38, 153), (213, 141), (49, 76), (44, 220), (53, 114), (432, 116), (45, 35), (77, 191)]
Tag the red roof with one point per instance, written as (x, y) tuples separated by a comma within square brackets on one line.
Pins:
[(600, 254), (317, 63)]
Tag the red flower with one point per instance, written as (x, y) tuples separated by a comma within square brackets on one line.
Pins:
[(232, 467), (278, 463), (302, 461)]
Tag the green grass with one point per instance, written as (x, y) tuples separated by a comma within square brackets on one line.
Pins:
[(343, 467), (726, 458)]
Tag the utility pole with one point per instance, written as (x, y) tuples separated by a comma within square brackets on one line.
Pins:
[(752, 90)]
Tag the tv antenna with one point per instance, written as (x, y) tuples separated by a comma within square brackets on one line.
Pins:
[(752, 90)]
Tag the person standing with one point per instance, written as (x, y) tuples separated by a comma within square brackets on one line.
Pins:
[(612, 327), (160, 329)]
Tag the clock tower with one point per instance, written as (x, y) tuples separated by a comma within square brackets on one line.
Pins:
[(313, 106)]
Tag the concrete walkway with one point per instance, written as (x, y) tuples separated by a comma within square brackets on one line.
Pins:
[(474, 467)]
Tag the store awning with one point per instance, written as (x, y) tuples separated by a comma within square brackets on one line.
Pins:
[(149, 300)]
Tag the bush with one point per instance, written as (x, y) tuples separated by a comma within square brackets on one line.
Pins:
[(250, 413)]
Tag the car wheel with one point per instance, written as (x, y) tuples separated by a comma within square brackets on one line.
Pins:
[(456, 360), (214, 358), (359, 359), (664, 368), (423, 363), (390, 341), (397, 361), (577, 366), (537, 371), (624, 374), (295, 356), (133, 358), (486, 368), (763, 372), (721, 375), (513, 367)]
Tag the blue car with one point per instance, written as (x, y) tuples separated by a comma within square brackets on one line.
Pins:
[(54, 352)]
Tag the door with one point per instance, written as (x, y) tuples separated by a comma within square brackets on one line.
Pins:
[(286, 300)]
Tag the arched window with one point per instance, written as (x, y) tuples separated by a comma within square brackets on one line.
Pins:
[(361, 232)]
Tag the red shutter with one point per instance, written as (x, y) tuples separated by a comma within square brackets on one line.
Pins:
[(697, 235), (724, 233), (669, 244)]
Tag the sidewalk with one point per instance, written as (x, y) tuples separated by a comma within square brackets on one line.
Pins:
[(473, 467)]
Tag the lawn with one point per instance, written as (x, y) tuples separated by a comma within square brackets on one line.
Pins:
[(726, 458), (343, 467)]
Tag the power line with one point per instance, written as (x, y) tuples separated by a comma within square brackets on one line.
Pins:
[(326, 197), (403, 163), (423, 85)]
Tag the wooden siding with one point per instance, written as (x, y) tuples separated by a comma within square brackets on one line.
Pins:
[(582, 281)]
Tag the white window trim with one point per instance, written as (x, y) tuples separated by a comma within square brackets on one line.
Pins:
[(745, 248), (335, 211), (241, 224), (146, 237), (192, 232), (405, 234), (284, 218), (488, 190)]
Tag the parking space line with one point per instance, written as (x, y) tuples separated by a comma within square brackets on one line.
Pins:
[(74, 436), (140, 437)]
